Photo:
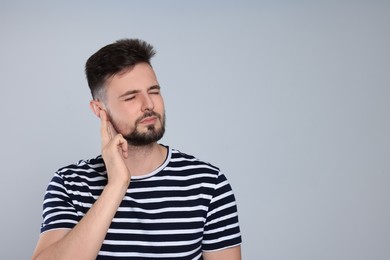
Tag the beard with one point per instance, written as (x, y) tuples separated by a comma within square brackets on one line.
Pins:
[(151, 135)]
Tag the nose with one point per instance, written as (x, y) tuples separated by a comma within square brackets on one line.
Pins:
[(147, 103)]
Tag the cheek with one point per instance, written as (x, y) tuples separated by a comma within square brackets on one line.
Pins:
[(159, 104), (118, 115), (124, 110)]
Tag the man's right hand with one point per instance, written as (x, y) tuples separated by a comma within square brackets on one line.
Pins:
[(114, 153)]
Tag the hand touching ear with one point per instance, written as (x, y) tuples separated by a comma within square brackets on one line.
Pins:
[(114, 152)]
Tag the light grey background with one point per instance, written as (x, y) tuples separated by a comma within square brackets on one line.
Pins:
[(289, 98)]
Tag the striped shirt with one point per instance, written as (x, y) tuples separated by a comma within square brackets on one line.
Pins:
[(181, 209)]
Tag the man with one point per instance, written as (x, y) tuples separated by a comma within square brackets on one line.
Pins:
[(139, 199)]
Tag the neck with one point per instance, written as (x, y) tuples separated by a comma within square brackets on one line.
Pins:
[(145, 159)]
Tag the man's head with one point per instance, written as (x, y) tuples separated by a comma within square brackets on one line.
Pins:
[(113, 59), (124, 85)]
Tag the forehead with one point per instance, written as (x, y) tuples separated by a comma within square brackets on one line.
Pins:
[(140, 76)]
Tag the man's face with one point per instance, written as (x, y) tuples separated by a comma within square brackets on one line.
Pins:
[(135, 106)]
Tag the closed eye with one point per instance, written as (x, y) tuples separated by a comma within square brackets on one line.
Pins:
[(154, 90), (129, 98)]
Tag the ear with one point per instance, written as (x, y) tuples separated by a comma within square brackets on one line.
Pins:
[(96, 106)]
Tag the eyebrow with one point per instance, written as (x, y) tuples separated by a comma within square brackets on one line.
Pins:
[(132, 92), (155, 87)]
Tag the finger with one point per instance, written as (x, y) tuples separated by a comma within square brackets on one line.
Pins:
[(110, 129), (105, 136), (124, 147), (121, 145)]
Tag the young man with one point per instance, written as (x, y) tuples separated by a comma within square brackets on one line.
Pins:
[(139, 199)]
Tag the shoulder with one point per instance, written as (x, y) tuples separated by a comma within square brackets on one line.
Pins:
[(89, 167), (189, 164), (179, 156), (80, 176)]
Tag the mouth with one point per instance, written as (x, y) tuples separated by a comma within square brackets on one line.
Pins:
[(148, 120)]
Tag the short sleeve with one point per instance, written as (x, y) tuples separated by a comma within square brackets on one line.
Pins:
[(58, 209), (222, 227)]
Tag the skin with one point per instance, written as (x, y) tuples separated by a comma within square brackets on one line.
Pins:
[(129, 95)]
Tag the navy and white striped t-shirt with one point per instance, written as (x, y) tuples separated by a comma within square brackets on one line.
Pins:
[(184, 207)]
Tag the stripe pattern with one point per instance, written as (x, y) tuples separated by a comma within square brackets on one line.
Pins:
[(183, 208)]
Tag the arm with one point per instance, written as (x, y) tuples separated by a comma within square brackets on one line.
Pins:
[(232, 253), (85, 239)]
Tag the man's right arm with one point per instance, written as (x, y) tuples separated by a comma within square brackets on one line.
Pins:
[(85, 239)]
